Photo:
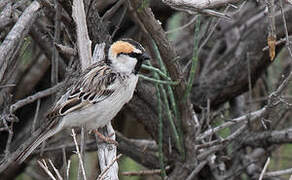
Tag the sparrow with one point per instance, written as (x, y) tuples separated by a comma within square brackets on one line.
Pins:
[(98, 94)]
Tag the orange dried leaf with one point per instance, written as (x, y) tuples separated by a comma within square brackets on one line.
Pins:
[(272, 46)]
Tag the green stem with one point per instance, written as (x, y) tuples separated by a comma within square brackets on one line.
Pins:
[(160, 62), (170, 118), (151, 68), (194, 61), (177, 133), (160, 131), (177, 116), (158, 81)]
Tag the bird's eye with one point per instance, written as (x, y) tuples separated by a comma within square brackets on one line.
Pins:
[(133, 54)]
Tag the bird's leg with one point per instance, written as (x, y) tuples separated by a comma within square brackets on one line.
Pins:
[(104, 138)]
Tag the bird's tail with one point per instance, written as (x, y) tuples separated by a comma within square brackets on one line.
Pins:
[(45, 134)]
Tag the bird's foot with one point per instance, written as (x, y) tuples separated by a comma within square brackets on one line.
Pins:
[(106, 139)]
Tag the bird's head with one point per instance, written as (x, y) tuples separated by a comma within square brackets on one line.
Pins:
[(127, 55)]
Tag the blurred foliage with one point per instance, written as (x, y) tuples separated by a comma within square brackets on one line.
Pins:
[(127, 164), (174, 22)]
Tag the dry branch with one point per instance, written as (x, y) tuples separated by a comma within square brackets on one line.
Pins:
[(83, 41), (45, 167), (3, 3), (251, 117), (198, 4), (5, 16), (107, 155), (278, 173), (169, 57), (35, 97), (104, 172), (264, 169), (144, 172), (10, 46)]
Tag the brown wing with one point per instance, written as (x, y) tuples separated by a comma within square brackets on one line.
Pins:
[(92, 87)]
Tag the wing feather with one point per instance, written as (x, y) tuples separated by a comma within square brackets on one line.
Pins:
[(93, 86)]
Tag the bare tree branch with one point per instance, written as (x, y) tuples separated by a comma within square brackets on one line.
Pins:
[(35, 97), (107, 155), (83, 41), (10, 45), (198, 4), (5, 16)]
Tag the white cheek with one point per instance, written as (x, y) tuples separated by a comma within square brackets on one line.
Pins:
[(124, 64)]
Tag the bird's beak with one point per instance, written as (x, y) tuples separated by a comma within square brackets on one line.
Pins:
[(145, 57)]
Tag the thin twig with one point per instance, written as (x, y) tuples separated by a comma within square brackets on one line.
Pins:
[(36, 114), (120, 21), (253, 116), (34, 97), (101, 176), (278, 173), (197, 170), (248, 59), (79, 155), (144, 172), (10, 135), (227, 139), (7, 85), (211, 32), (68, 169), (183, 26), (198, 4), (286, 29), (112, 11), (64, 158), (44, 166), (82, 148), (57, 32), (56, 170), (264, 169)]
